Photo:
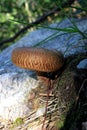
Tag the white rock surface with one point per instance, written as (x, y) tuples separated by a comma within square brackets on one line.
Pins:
[(14, 93), (82, 64), (15, 83)]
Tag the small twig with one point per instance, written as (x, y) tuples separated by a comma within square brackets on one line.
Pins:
[(48, 92), (77, 99), (45, 95), (82, 86), (28, 116)]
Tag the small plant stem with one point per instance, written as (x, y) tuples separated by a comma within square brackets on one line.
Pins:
[(48, 93)]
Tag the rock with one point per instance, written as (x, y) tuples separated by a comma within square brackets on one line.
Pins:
[(84, 126), (66, 43), (16, 84), (82, 64), (15, 93)]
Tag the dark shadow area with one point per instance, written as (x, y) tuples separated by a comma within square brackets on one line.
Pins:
[(78, 111)]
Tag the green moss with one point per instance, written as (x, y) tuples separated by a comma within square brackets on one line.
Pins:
[(17, 122), (60, 123)]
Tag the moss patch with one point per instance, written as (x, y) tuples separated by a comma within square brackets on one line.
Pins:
[(17, 122)]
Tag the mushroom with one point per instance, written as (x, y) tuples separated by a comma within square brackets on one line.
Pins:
[(45, 62)]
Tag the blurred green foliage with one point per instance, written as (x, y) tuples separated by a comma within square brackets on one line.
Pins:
[(83, 3), (28, 11)]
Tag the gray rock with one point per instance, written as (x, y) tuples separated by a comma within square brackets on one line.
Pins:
[(15, 89), (67, 43), (82, 64), (84, 126), (16, 83)]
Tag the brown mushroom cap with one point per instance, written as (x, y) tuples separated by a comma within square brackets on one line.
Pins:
[(38, 59)]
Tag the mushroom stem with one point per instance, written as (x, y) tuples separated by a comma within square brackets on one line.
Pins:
[(48, 93), (46, 76)]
